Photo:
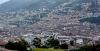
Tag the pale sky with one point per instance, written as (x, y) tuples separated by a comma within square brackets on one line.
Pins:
[(2, 1)]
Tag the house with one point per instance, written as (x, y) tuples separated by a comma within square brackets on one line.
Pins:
[(2, 43)]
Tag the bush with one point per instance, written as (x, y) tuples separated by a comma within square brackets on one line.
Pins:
[(44, 46), (20, 46), (10, 46), (56, 47), (77, 50), (88, 48)]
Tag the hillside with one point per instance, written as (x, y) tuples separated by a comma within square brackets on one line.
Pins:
[(95, 20), (48, 16), (45, 4), (28, 12), (14, 5)]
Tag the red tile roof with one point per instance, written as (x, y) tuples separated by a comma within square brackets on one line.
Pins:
[(2, 43)]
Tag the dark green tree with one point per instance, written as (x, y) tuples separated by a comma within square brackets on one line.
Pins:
[(20, 45), (37, 42), (75, 42), (63, 46), (72, 43), (10, 46), (24, 42), (53, 43)]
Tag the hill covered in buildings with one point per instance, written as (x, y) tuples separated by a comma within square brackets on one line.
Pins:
[(48, 16), (31, 11)]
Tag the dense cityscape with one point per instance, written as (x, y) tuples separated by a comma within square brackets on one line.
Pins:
[(62, 23)]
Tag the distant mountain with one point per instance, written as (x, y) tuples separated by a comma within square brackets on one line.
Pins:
[(13, 5)]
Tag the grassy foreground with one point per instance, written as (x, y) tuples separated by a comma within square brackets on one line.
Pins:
[(42, 49)]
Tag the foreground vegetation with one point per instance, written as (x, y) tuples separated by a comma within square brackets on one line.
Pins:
[(95, 47), (22, 45), (44, 49)]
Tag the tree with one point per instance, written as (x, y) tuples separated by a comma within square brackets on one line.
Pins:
[(75, 42), (37, 42), (72, 43), (53, 43), (63, 46), (20, 46), (10, 46), (24, 42)]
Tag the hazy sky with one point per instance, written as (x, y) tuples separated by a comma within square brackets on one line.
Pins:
[(2, 1)]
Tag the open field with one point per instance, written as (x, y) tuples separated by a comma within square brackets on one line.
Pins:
[(42, 49)]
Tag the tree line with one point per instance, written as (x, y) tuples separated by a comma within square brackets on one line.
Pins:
[(50, 43)]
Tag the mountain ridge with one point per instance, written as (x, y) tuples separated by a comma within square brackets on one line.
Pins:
[(13, 5)]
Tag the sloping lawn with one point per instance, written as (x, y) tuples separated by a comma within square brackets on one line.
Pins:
[(42, 49)]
